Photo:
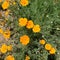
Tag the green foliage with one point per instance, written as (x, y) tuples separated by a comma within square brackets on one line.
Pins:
[(46, 13)]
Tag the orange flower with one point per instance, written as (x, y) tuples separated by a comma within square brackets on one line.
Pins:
[(30, 24), (24, 39), (10, 48), (42, 42), (1, 31), (0, 1), (6, 34), (27, 58), (48, 46), (22, 21), (4, 48), (52, 51), (9, 57), (5, 5), (24, 2), (36, 28)]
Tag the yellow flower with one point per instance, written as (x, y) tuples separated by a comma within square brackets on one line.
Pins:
[(24, 39), (4, 48), (14, 3), (48, 46), (27, 58), (24, 2), (36, 28), (1, 31), (52, 51), (10, 48), (7, 12), (0, 1), (5, 5), (42, 42), (30, 24), (6, 34), (9, 57), (22, 21)]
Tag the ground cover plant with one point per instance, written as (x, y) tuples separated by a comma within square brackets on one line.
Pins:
[(29, 29)]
